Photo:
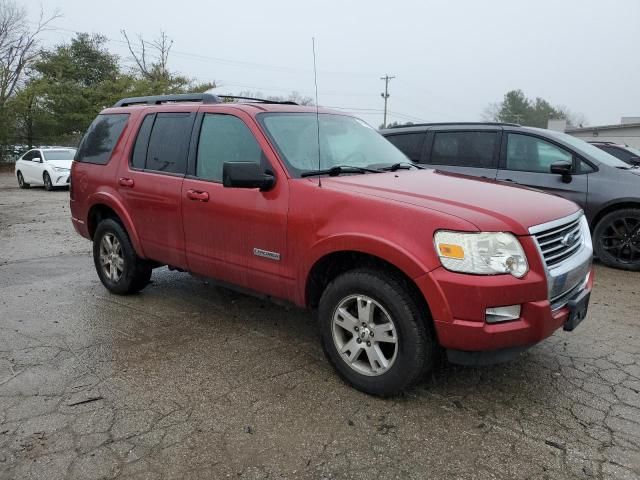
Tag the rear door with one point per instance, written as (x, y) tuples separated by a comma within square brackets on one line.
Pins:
[(470, 152), (234, 234), (526, 160), (150, 183)]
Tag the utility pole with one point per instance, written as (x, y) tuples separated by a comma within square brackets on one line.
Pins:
[(385, 95)]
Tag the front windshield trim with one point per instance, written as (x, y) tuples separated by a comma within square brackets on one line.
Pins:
[(306, 156)]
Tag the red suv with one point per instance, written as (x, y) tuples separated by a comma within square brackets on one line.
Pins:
[(317, 208)]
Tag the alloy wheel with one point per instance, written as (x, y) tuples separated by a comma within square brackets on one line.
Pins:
[(111, 257), (621, 239), (365, 335)]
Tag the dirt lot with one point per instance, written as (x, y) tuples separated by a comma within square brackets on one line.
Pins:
[(187, 380)]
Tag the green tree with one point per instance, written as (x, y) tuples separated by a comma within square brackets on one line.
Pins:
[(517, 108)]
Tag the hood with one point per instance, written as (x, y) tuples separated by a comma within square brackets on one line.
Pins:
[(489, 205), (60, 163)]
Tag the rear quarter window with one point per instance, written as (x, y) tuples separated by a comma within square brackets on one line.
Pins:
[(101, 138)]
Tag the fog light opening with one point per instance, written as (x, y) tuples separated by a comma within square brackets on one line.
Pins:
[(502, 314)]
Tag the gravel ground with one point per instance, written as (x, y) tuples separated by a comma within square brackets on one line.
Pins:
[(186, 380)]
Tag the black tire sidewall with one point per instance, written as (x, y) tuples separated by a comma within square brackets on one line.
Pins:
[(135, 274), (416, 351), (47, 184), (21, 182), (602, 254)]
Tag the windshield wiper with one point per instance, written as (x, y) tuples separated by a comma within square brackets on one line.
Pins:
[(339, 170), (402, 166)]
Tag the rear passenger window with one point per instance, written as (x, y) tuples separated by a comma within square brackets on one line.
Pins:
[(139, 156), (225, 138), (169, 143), (101, 138), (409, 143), (465, 149)]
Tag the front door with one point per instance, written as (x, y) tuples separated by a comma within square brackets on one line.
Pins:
[(527, 160), (233, 234)]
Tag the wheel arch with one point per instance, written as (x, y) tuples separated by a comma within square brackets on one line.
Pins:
[(618, 204), (106, 206), (332, 264)]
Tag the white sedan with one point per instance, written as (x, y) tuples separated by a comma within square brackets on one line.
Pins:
[(50, 167)]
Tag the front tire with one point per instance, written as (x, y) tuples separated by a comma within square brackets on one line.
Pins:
[(374, 333), (21, 182), (48, 186), (120, 269), (616, 239)]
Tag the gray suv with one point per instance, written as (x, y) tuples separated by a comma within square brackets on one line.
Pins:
[(606, 188)]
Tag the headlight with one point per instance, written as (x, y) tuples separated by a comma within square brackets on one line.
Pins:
[(60, 169), (483, 253)]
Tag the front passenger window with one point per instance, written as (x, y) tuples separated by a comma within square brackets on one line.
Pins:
[(224, 138), (531, 154)]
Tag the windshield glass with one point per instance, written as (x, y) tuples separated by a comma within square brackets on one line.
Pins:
[(59, 154), (633, 150), (344, 140), (583, 147)]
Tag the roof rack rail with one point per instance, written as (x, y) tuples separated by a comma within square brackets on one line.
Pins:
[(506, 124), (258, 100), (159, 99)]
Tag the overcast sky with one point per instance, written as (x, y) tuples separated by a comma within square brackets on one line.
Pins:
[(450, 59)]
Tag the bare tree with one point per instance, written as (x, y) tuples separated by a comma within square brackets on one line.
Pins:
[(18, 45), (156, 67)]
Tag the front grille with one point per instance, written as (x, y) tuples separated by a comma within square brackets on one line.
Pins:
[(560, 242)]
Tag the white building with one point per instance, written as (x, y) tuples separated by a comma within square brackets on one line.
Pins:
[(627, 132)]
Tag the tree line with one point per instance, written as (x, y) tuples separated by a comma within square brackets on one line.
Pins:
[(49, 96)]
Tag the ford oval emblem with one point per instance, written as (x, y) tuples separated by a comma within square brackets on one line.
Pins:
[(570, 239)]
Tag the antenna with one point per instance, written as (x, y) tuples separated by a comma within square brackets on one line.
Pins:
[(315, 79)]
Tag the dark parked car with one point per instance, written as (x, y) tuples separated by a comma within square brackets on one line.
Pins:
[(605, 187), (625, 153)]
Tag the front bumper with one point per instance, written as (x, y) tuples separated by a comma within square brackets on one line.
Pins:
[(60, 179), (458, 304)]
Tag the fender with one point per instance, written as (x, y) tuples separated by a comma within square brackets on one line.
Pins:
[(622, 202), (408, 263), (110, 200)]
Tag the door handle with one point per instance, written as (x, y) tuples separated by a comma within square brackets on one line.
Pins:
[(197, 195), (126, 182), (508, 180)]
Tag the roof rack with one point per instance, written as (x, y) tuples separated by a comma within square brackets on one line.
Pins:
[(258, 100), (159, 99), (506, 124), (192, 97)]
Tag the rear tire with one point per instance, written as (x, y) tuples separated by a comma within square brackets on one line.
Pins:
[(120, 269), (616, 239), (21, 182), (48, 186), (392, 349)]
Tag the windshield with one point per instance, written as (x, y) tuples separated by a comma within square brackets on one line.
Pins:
[(344, 140), (592, 151), (633, 150), (59, 154)]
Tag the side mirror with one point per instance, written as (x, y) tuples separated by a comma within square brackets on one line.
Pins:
[(246, 175), (564, 169), (36, 159)]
